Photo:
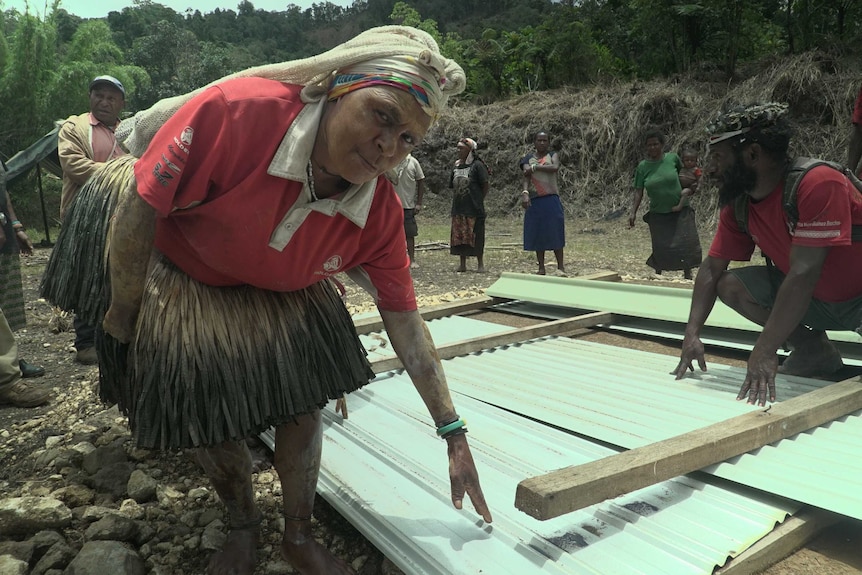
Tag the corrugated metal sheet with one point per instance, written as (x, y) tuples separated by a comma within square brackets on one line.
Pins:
[(444, 331), (652, 302), (385, 470), (627, 398), (715, 337)]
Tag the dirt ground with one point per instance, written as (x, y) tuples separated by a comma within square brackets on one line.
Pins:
[(592, 246)]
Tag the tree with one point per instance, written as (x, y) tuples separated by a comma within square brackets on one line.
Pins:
[(91, 52), (31, 58), (166, 53)]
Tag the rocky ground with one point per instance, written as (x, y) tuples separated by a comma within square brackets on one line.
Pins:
[(76, 498)]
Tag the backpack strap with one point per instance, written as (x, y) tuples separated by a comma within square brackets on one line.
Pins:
[(793, 177)]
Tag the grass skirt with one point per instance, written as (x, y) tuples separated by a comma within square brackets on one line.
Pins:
[(675, 243), (211, 364), (76, 277)]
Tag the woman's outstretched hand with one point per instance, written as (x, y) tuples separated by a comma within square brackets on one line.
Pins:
[(464, 478)]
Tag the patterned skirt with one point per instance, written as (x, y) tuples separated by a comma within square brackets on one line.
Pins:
[(467, 237), (12, 291)]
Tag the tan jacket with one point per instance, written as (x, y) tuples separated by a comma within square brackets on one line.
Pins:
[(76, 157)]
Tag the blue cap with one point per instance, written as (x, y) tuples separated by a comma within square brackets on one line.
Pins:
[(110, 80)]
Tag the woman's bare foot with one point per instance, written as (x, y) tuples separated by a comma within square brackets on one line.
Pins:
[(309, 557), (239, 554), (461, 270)]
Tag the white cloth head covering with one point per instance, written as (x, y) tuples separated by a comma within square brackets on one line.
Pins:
[(468, 143), (316, 73)]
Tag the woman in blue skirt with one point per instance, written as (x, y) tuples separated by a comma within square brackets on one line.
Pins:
[(544, 222)]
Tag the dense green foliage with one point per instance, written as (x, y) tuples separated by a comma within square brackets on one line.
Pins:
[(507, 47)]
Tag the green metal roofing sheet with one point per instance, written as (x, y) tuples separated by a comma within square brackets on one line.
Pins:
[(652, 302), (385, 470)]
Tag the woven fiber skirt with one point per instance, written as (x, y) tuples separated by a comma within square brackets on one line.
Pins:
[(75, 278), (675, 243), (12, 290), (211, 364)]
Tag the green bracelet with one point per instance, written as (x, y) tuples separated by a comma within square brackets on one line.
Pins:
[(457, 424)]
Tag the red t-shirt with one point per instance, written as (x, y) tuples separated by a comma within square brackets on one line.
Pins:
[(857, 109), (828, 206), (205, 174)]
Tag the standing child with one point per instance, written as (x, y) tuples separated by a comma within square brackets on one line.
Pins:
[(689, 177)]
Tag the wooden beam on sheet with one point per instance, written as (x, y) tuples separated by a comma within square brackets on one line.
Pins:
[(579, 486), (560, 327), (786, 538), (605, 276), (372, 324)]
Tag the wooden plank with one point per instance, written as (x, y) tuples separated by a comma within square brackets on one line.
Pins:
[(560, 327), (786, 538), (576, 487), (607, 276), (372, 324)]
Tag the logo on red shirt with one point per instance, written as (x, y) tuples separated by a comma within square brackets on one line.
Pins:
[(332, 265), (187, 135)]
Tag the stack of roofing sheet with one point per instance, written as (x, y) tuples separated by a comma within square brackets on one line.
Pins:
[(627, 398), (652, 310), (386, 471)]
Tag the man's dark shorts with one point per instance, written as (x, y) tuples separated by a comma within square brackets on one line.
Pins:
[(762, 284), (411, 230)]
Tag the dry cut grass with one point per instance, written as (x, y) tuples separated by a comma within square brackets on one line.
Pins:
[(598, 130)]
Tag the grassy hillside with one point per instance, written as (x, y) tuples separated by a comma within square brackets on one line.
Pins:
[(597, 130)]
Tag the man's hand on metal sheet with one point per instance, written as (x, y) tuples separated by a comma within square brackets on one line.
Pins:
[(759, 384), (692, 349)]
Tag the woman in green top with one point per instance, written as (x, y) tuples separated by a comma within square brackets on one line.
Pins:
[(675, 243)]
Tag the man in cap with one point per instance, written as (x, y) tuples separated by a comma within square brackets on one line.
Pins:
[(86, 142), (815, 282)]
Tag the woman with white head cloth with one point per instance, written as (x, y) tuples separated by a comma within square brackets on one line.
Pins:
[(246, 198), (469, 183)]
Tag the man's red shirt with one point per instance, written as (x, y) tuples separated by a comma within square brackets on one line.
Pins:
[(828, 206)]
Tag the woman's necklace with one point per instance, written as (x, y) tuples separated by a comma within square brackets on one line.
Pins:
[(310, 171)]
